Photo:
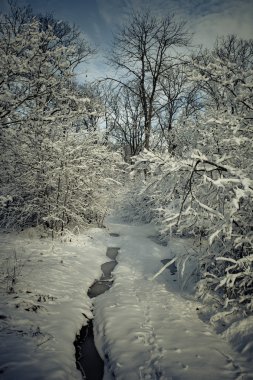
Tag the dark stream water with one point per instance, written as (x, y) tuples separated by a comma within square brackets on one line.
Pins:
[(88, 360)]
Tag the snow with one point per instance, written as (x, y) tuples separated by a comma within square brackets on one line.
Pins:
[(145, 326), (53, 278)]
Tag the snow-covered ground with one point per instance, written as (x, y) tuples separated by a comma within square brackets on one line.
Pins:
[(40, 318), (145, 327), (148, 329)]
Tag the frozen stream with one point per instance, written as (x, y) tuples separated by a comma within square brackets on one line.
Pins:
[(88, 360)]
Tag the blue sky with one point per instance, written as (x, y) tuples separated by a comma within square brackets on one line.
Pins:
[(99, 18)]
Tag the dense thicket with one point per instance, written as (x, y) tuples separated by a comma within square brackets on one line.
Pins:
[(54, 169), (205, 188)]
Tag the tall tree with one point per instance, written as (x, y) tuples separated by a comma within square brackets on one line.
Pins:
[(142, 53), (124, 120)]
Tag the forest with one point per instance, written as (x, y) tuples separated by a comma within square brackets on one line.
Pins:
[(166, 140)]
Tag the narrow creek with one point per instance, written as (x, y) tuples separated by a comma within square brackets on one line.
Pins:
[(88, 360)]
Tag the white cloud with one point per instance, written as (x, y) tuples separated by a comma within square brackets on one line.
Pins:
[(210, 18), (207, 18), (231, 17)]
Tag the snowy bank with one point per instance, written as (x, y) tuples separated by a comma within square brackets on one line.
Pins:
[(149, 329), (44, 302)]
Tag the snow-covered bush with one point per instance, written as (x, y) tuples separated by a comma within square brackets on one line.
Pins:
[(206, 191), (205, 199), (53, 171)]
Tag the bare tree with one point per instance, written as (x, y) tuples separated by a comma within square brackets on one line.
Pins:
[(142, 53), (179, 99), (124, 120)]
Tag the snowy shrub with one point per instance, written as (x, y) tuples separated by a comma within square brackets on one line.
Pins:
[(205, 199), (11, 271), (53, 171), (206, 191)]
